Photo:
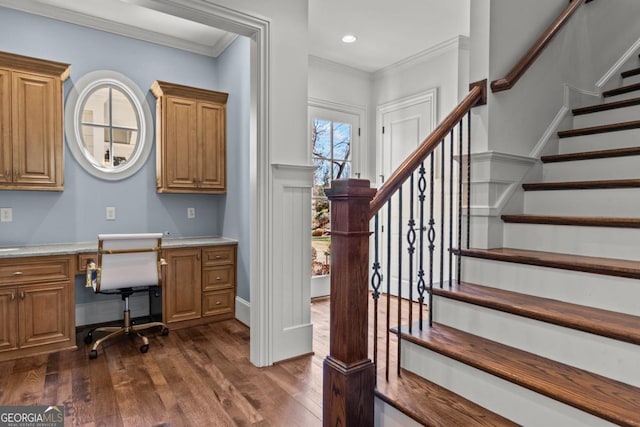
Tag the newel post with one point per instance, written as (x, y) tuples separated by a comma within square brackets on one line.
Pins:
[(349, 375)]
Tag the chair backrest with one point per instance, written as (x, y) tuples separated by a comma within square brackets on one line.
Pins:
[(127, 261)]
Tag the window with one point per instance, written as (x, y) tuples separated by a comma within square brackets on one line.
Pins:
[(331, 155), (108, 125)]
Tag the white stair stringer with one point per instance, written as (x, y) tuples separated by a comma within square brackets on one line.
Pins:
[(614, 115), (624, 167), (604, 356), (605, 242), (599, 141), (512, 401), (615, 202), (612, 293)]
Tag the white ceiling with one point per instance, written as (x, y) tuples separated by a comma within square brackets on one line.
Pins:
[(388, 31)]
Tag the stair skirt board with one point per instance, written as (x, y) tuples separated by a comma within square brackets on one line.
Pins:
[(600, 355), (601, 141), (625, 167), (386, 415), (615, 203), (616, 115), (606, 242), (503, 397), (593, 290)]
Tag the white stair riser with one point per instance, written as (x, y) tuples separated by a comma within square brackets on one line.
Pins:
[(631, 80), (628, 95), (593, 290), (603, 356), (617, 203), (625, 167), (616, 115), (386, 415), (507, 399), (600, 141), (607, 242)]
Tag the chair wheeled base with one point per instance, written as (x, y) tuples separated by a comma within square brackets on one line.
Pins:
[(126, 329)]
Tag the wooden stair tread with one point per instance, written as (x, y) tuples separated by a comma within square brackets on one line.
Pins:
[(606, 106), (592, 130), (587, 264), (432, 405), (620, 90), (630, 73), (581, 185), (584, 221), (610, 324), (588, 155), (600, 396)]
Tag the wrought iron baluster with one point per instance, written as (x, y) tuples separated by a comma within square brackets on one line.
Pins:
[(431, 235), (411, 240), (388, 270), (422, 187), (376, 282), (399, 275), (460, 125), (468, 179), (451, 183), (442, 211)]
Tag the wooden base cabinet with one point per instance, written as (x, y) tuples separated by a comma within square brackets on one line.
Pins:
[(37, 310), (199, 285)]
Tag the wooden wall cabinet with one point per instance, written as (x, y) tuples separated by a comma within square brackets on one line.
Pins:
[(31, 118), (191, 139), (199, 285), (37, 309)]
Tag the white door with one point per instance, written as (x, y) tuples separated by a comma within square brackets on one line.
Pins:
[(404, 125)]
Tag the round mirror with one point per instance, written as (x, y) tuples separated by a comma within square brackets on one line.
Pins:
[(108, 125)]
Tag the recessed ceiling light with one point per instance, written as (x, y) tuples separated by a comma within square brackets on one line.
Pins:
[(349, 38)]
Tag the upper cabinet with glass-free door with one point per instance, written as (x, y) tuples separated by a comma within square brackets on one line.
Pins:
[(191, 139), (31, 141)]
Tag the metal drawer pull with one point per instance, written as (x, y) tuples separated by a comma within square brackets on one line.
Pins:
[(218, 256), (218, 303), (218, 278), (17, 273), (13, 296), (22, 295)]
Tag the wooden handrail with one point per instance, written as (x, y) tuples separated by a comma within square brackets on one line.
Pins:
[(477, 96), (508, 81)]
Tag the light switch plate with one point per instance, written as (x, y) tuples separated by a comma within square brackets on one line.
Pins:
[(6, 214), (111, 213)]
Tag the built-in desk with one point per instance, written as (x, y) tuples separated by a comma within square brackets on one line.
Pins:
[(37, 297)]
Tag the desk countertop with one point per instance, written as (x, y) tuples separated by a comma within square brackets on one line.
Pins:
[(83, 247)]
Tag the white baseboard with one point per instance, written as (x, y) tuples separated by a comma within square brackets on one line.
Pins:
[(243, 311)]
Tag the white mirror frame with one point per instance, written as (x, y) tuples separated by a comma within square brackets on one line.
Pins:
[(73, 111)]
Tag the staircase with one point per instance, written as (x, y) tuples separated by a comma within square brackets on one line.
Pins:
[(546, 330)]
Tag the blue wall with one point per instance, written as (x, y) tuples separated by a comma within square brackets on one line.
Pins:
[(78, 213)]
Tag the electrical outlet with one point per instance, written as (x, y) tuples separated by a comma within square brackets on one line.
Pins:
[(6, 214), (111, 213), (191, 213)]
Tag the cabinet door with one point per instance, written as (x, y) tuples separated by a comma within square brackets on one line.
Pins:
[(8, 319), (180, 154), (6, 170), (44, 314), (212, 140), (37, 131), (182, 285)]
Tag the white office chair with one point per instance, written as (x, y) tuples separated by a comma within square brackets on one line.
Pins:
[(126, 263)]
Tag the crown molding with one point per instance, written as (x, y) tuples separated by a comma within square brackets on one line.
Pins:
[(454, 43), (78, 18), (336, 66)]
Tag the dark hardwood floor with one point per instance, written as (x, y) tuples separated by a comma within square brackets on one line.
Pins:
[(199, 376)]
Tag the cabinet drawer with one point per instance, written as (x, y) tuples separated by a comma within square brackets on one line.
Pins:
[(35, 270), (219, 255), (81, 266), (217, 302), (218, 277)]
